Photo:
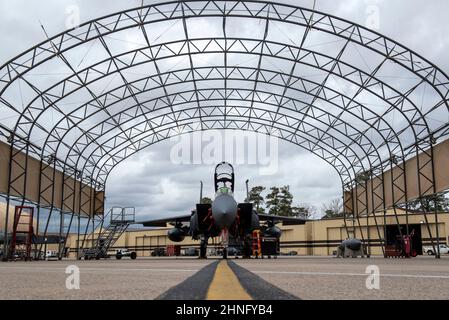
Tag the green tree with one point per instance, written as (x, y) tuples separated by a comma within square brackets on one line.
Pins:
[(285, 202), (279, 201), (206, 200), (438, 202), (272, 201), (256, 198)]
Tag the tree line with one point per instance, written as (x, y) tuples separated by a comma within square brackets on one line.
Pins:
[(279, 201)]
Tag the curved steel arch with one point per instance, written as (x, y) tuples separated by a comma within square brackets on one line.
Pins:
[(59, 153), (183, 111), (58, 44), (181, 93), (25, 121), (379, 117)]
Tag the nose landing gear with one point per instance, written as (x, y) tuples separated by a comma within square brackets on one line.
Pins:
[(225, 241)]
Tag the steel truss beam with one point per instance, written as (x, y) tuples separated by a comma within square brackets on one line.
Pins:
[(88, 141)]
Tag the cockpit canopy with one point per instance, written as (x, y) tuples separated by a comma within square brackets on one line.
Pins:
[(224, 178)]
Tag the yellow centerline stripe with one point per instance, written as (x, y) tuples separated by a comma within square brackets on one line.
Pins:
[(225, 285)]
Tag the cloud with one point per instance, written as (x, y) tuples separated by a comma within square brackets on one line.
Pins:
[(149, 180), (158, 187)]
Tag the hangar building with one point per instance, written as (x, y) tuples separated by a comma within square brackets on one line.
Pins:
[(315, 237)]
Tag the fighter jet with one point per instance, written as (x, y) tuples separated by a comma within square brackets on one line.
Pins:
[(224, 217)]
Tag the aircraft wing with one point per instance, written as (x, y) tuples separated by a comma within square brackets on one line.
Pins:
[(162, 222), (285, 220)]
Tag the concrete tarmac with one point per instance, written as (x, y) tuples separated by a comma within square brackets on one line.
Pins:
[(104, 279), (302, 277), (332, 278)]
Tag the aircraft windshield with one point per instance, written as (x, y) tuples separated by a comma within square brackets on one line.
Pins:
[(224, 190)]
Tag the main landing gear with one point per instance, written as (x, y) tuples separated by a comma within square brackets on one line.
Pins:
[(225, 253), (203, 248)]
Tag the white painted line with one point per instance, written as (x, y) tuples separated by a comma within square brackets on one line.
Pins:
[(353, 274), (97, 269), (62, 269)]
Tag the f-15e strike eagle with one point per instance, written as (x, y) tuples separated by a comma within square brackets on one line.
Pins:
[(224, 217)]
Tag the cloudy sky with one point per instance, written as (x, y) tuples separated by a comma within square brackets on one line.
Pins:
[(158, 186)]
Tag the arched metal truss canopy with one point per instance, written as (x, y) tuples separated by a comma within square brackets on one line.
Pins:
[(79, 103)]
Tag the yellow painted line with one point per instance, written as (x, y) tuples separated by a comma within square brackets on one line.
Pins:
[(225, 285)]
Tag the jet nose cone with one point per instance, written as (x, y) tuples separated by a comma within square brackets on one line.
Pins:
[(224, 210)]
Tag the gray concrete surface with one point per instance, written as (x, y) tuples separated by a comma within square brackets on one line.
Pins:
[(107, 279), (304, 277), (332, 278)]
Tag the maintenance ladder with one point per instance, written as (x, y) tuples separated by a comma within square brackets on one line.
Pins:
[(121, 218), (23, 225)]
